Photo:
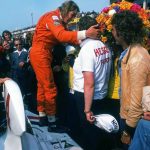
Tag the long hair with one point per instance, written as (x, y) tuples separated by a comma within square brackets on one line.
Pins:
[(67, 6), (6, 32), (129, 26)]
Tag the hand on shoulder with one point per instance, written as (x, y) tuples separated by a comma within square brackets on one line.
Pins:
[(2, 80)]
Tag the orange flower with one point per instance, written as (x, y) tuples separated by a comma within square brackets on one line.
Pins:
[(104, 18), (103, 39), (109, 28)]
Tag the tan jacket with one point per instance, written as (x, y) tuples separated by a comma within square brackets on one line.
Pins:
[(135, 75)]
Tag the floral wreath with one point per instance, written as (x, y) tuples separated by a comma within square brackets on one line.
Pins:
[(104, 18)]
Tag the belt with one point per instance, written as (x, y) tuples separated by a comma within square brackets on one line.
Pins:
[(72, 91)]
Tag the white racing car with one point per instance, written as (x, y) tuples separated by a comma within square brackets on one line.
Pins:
[(20, 134)]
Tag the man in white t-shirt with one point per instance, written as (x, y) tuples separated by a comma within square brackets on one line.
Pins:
[(90, 84), (95, 59), (91, 72)]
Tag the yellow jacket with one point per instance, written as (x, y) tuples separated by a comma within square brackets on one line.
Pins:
[(114, 83)]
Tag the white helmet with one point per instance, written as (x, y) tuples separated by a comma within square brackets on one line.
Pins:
[(107, 122), (70, 49)]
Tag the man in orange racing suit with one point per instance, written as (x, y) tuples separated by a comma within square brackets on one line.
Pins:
[(51, 30)]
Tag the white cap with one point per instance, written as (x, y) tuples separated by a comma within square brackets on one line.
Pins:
[(70, 49), (107, 122)]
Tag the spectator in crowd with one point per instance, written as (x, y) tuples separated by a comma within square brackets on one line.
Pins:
[(67, 65), (50, 30), (90, 85), (31, 97), (134, 70), (114, 83), (4, 64), (18, 60), (7, 49), (4, 72), (113, 99), (141, 139), (7, 36), (28, 40), (59, 53), (1, 40)]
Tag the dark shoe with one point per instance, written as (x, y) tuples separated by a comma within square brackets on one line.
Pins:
[(43, 121), (53, 127)]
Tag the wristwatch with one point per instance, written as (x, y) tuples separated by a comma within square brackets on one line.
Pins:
[(124, 133), (86, 112)]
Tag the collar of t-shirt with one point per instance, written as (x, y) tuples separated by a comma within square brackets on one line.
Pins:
[(85, 41), (119, 67), (19, 52), (123, 54)]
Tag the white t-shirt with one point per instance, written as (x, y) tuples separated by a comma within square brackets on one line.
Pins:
[(94, 57)]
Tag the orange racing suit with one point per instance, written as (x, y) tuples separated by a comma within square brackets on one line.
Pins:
[(49, 31)]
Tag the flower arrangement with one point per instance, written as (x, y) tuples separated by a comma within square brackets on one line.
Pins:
[(104, 18)]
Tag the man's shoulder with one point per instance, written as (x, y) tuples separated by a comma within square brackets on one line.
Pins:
[(49, 15), (139, 55), (139, 51), (52, 13)]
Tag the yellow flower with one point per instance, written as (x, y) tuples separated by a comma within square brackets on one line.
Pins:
[(109, 28), (108, 21), (125, 5), (103, 39), (146, 23)]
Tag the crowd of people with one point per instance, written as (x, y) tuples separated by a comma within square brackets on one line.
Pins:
[(91, 78), (14, 64)]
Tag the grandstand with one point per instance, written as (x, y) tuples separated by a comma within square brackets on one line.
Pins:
[(24, 31)]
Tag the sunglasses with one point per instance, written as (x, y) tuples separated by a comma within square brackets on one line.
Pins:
[(18, 44)]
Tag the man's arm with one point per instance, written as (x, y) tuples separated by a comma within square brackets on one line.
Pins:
[(62, 35), (138, 79), (146, 116), (88, 94)]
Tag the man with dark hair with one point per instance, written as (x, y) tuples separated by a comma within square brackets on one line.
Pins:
[(51, 30), (18, 61), (85, 21), (90, 85), (7, 36), (134, 69)]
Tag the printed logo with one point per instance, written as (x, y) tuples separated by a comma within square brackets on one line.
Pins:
[(106, 60), (101, 51), (56, 23), (55, 18), (115, 124)]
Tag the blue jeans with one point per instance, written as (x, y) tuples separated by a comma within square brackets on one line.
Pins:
[(141, 139)]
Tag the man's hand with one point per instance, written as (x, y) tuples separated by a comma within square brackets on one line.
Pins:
[(57, 68), (146, 116), (89, 117), (2, 80), (21, 64), (93, 32), (125, 138)]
